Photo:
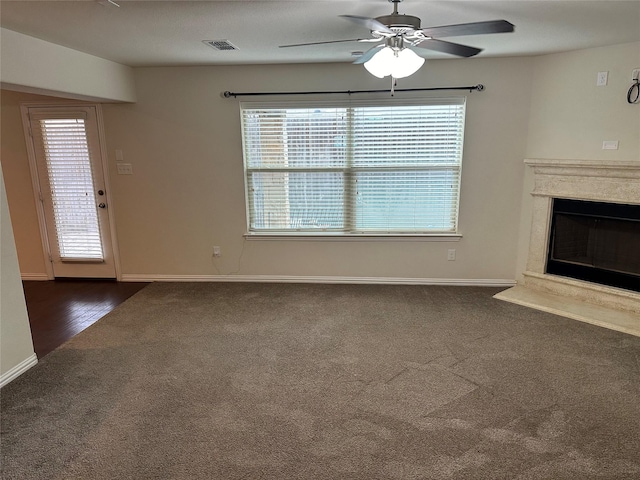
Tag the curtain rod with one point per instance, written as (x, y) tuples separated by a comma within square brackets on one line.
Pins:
[(229, 94)]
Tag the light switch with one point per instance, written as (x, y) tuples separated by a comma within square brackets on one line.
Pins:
[(125, 169), (119, 156)]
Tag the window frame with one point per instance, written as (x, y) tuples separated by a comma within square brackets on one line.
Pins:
[(350, 212)]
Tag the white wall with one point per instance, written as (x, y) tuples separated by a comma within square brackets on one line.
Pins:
[(187, 192), (32, 65), (15, 164), (16, 347), (571, 116)]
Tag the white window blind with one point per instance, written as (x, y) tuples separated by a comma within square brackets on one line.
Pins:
[(353, 168), (64, 141)]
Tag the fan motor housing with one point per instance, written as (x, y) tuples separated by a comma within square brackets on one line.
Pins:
[(400, 21)]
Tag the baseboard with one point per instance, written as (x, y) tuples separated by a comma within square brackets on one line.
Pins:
[(18, 370), (482, 282), (39, 277)]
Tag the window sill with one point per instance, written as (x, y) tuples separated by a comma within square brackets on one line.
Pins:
[(354, 237)]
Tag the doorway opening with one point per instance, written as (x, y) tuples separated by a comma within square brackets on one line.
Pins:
[(67, 161)]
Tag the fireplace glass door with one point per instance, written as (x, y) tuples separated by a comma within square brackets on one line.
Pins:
[(597, 242)]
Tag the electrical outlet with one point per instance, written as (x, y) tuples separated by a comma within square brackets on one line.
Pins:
[(602, 79), (635, 75), (451, 254), (610, 145), (216, 251)]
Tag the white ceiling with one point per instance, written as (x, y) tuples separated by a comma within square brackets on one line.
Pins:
[(162, 33)]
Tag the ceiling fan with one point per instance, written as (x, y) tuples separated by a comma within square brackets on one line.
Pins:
[(401, 34)]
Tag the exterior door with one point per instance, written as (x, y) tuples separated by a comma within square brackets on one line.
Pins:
[(72, 190)]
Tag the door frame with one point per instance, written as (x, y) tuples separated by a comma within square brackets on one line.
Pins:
[(35, 182)]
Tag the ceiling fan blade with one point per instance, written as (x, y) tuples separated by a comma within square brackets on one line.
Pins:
[(368, 55), (475, 28), (448, 47), (371, 23), (328, 41)]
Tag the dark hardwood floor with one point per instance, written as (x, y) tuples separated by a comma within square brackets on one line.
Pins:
[(60, 309)]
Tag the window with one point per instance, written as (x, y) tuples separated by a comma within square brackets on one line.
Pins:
[(66, 153), (353, 168)]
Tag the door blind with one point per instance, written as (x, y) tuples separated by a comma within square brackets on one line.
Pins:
[(64, 142), (354, 168)]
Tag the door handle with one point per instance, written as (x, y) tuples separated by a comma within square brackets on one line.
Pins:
[(102, 205)]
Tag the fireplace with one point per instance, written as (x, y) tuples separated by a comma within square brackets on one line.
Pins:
[(584, 242), (596, 242)]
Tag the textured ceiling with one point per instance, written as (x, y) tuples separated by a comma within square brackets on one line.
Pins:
[(160, 33)]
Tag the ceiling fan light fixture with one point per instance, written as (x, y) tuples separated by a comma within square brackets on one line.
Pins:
[(397, 63)]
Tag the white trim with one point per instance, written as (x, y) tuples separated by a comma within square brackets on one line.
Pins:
[(39, 277), (481, 282), (354, 237), (416, 100), (115, 251), (26, 125), (33, 169), (349, 169), (18, 370)]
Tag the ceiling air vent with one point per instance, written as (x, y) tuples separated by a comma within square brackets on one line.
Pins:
[(221, 44)]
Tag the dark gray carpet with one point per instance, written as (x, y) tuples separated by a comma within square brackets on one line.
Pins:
[(264, 381)]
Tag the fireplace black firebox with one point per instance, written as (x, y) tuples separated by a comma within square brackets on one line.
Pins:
[(595, 241)]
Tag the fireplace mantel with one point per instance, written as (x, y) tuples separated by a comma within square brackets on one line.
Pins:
[(599, 180), (584, 165), (594, 180)]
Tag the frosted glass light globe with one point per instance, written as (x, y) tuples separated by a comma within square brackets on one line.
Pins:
[(407, 63), (397, 64), (381, 64)]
